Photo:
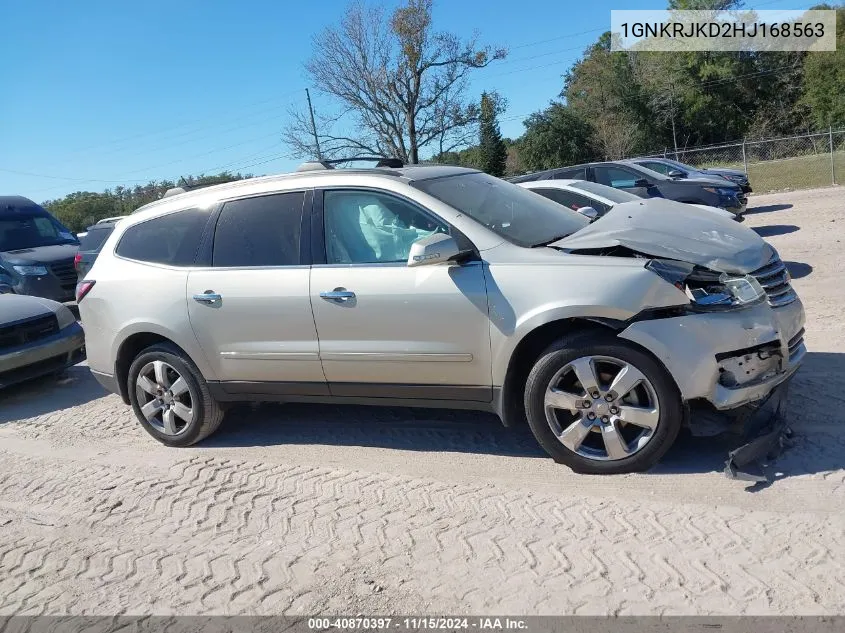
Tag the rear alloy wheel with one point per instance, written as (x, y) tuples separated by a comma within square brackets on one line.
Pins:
[(164, 397), (600, 405), (171, 398)]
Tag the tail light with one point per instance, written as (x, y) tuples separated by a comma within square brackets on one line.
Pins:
[(83, 288), (76, 260)]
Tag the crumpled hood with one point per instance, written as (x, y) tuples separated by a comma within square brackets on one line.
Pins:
[(663, 228), (40, 254), (18, 307)]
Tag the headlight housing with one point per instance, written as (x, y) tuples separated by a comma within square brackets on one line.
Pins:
[(35, 271), (722, 191), (708, 290), (65, 317)]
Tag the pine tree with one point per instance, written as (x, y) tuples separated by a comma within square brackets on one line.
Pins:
[(492, 152)]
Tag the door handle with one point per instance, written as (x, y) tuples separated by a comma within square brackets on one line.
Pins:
[(208, 297), (338, 294)]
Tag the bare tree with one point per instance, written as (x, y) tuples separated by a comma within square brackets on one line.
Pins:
[(616, 136), (398, 85)]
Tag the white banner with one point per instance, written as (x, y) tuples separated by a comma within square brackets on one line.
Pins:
[(781, 30)]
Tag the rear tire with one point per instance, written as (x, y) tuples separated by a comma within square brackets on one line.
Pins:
[(170, 397), (607, 443)]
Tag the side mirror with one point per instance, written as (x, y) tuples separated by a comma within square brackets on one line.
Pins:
[(434, 249), (674, 173), (589, 212), (642, 182)]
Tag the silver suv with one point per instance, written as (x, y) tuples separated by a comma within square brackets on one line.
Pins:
[(440, 286)]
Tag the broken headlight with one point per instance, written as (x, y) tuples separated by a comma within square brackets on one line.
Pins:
[(707, 289)]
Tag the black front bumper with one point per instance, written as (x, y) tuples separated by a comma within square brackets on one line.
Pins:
[(52, 354), (764, 427)]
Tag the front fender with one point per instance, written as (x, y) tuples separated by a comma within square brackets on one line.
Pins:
[(589, 288)]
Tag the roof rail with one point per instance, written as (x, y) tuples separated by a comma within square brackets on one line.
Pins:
[(381, 161)]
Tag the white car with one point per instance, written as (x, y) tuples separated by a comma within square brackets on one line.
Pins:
[(583, 195)]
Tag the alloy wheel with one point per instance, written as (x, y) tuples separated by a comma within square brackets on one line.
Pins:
[(602, 408), (165, 398)]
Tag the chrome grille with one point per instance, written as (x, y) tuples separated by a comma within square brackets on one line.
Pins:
[(66, 273), (775, 281), (795, 343)]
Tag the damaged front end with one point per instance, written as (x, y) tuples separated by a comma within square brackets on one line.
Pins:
[(765, 426)]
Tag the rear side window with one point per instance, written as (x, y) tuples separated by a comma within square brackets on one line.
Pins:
[(262, 231), (94, 239), (171, 239)]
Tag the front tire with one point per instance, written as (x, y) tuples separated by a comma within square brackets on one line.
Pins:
[(170, 397), (600, 405)]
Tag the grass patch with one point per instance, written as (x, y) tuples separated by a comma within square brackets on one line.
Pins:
[(801, 172)]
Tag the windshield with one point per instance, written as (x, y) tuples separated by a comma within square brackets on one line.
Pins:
[(518, 215), (31, 231), (614, 195)]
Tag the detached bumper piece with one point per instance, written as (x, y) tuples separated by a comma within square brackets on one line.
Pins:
[(766, 423)]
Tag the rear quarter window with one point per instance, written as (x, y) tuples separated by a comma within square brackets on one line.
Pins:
[(171, 239)]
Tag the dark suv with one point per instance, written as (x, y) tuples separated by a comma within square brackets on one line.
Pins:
[(36, 251), (90, 244), (713, 191)]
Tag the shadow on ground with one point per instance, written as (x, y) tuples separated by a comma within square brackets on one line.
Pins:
[(399, 428), (49, 394), (775, 229), (768, 208), (797, 270), (817, 448)]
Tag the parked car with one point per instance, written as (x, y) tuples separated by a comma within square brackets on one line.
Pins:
[(37, 337), (594, 200), (713, 191), (36, 251), (103, 221), (443, 287), (90, 243), (674, 169)]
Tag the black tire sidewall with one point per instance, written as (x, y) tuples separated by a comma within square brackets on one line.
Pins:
[(668, 399), (191, 375)]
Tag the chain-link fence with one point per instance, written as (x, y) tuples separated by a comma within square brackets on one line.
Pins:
[(778, 164)]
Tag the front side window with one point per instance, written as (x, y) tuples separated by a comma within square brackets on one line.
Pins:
[(261, 231), (171, 239), (615, 177), (513, 213), (363, 227)]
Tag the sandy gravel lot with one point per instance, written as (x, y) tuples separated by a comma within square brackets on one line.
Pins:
[(322, 509)]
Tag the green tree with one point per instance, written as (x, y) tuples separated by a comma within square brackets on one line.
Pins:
[(492, 152), (602, 88), (555, 137), (824, 79), (81, 209)]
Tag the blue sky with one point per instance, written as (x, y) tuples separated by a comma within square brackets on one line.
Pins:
[(97, 93)]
